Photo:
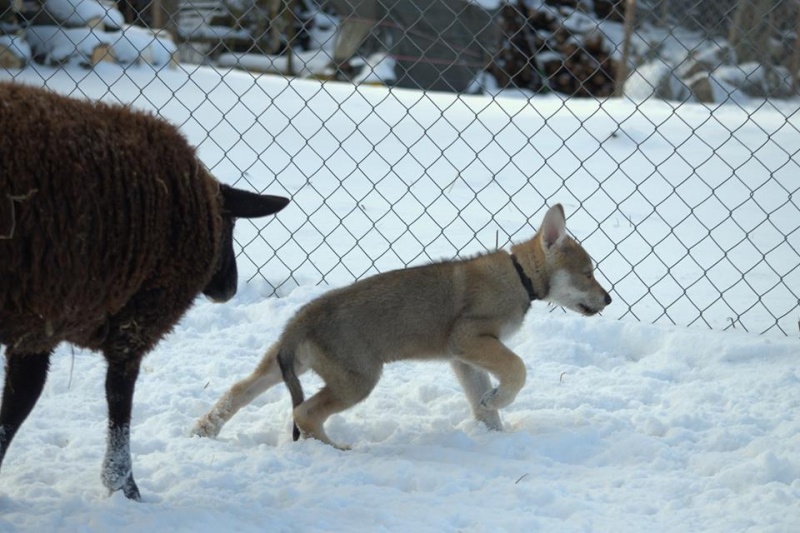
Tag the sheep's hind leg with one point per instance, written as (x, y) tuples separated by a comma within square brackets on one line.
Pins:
[(25, 377), (117, 466)]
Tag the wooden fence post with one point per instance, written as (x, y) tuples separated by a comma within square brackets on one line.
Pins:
[(622, 67)]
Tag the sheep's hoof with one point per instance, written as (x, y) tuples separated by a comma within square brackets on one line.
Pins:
[(130, 490), (126, 484)]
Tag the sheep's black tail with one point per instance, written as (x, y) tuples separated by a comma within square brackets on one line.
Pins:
[(286, 363)]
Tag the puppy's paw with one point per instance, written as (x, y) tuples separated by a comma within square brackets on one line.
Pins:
[(323, 438), (205, 428), (490, 418), (497, 398)]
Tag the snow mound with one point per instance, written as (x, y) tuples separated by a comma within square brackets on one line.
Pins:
[(84, 13)]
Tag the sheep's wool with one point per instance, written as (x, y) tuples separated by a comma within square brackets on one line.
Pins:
[(103, 199)]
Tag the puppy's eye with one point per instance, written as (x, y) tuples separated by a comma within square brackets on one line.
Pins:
[(589, 275)]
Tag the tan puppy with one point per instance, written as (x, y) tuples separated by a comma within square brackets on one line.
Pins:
[(454, 310)]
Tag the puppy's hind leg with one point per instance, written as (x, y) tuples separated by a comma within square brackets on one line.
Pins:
[(266, 374), (336, 396), (476, 384)]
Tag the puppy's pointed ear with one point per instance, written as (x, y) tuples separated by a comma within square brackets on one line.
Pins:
[(245, 204), (554, 226)]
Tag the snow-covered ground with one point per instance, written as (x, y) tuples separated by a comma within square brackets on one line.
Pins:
[(622, 426)]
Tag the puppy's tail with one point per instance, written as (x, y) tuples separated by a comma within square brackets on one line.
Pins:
[(286, 363)]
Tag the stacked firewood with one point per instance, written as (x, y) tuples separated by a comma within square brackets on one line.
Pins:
[(541, 50)]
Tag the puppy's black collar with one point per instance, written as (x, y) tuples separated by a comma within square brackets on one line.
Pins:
[(523, 277)]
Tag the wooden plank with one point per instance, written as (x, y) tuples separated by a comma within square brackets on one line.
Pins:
[(9, 59)]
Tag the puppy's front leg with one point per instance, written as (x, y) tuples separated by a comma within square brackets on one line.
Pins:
[(476, 384), (488, 353)]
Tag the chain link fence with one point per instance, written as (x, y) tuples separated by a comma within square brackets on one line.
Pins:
[(669, 129)]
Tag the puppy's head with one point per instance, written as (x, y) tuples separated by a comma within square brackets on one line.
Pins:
[(569, 268)]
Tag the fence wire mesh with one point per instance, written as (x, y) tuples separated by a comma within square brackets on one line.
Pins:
[(410, 130)]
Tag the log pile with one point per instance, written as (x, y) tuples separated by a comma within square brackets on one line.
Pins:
[(542, 50), (12, 52)]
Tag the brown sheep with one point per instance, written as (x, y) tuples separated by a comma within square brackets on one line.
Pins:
[(109, 229)]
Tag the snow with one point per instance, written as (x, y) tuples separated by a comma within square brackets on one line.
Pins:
[(134, 44), (81, 12), (488, 5), (57, 45), (304, 64), (309, 63), (622, 425)]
